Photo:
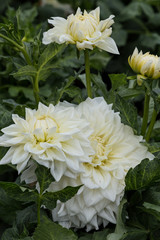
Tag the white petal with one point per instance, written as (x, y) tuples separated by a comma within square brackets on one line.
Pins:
[(108, 45), (58, 170), (8, 156), (20, 155)]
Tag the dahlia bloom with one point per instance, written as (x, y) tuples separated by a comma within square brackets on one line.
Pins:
[(85, 30), (145, 65), (117, 149), (53, 136)]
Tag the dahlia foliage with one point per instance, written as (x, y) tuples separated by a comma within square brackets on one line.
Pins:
[(84, 151)]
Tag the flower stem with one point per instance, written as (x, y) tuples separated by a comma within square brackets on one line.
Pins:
[(87, 70), (154, 116), (21, 48), (38, 209), (145, 114), (36, 90)]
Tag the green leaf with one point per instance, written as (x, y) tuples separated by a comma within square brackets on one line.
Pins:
[(8, 207), (143, 175), (6, 117), (97, 80), (127, 111), (135, 235), (100, 235), (18, 193), (67, 86), (49, 199), (26, 216), (150, 41), (44, 177), (14, 234), (15, 90), (44, 63), (153, 147), (152, 206), (48, 230), (25, 73), (118, 80)]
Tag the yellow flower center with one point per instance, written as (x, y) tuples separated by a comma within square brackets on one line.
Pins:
[(81, 26), (102, 151), (44, 123)]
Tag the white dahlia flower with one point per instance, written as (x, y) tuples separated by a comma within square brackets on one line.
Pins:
[(85, 30), (145, 65), (117, 149), (53, 136)]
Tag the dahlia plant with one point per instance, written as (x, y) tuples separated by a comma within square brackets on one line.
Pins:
[(83, 153)]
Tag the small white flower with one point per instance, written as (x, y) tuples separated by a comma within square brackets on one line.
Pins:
[(145, 65), (117, 149), (85, 30), (54, 136)]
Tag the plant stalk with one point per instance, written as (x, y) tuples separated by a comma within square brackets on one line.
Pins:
[(154, 116), (21, 48), (36, 90), (38, 210), (87, 70), (145, 113)]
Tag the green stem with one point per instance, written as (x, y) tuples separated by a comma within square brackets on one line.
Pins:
[(38, 210), (154, 116), (145, 114), (21, 48), (87, 70), (36, 89)]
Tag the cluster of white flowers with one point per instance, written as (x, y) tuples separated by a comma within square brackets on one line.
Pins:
[(81, 145)]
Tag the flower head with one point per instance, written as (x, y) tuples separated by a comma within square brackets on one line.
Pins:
[(85, 30), (145, 65), (117, 149), (53, 136)]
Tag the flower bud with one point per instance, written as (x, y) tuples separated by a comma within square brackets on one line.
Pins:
[(146, 65)]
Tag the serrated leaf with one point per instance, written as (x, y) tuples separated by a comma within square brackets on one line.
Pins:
[(127, 111), (48, 230), (97, 80), (153, 147), (118, 80), (25, 73), (143, 175), (44, 63), (6, 117), (44, 177), (49, 199), (18, 193)]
